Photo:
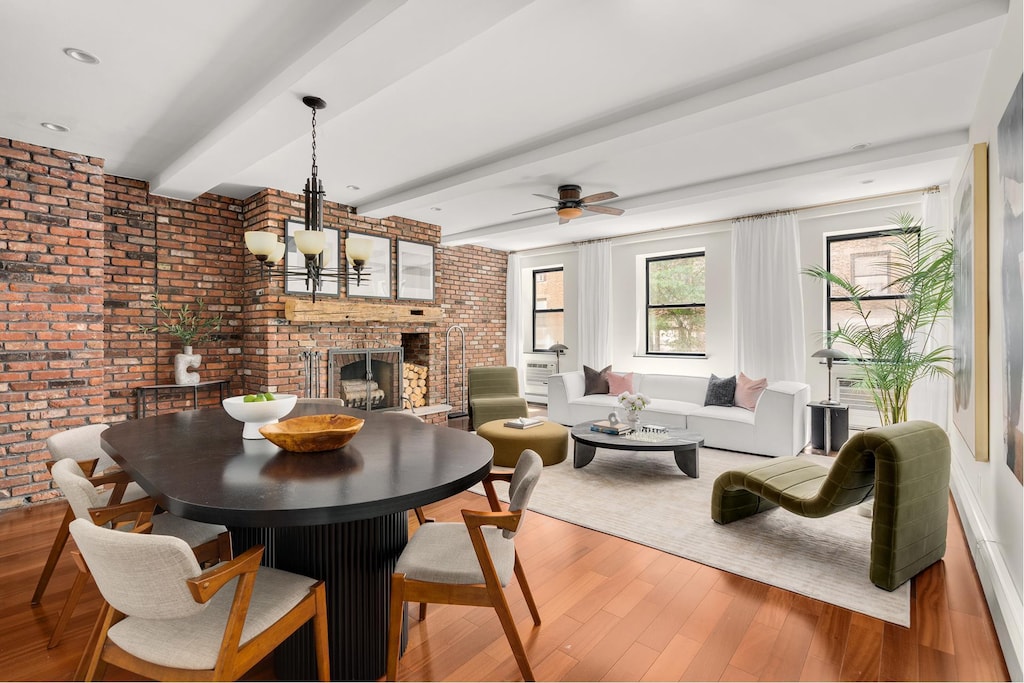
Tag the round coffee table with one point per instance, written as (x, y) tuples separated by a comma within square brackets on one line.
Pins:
[(685, 445)]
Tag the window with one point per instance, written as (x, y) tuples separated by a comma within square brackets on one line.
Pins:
[(675, 305), (548, 304), (863, 259)]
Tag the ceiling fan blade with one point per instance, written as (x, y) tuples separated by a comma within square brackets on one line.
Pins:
[(599, 197), (544, 196), (543, 208), (610, 210), (563, 221)]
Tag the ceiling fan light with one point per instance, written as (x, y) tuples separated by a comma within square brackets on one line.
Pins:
[(569, 212)]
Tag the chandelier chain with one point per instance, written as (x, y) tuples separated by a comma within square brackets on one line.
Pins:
[(314, 141)]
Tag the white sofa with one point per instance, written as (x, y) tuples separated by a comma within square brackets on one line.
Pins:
[(777, 427)]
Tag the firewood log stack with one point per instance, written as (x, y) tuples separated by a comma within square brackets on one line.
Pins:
[(414, 383)]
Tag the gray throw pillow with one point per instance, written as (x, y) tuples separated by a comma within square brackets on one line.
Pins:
[(595, 381), (721, 391)]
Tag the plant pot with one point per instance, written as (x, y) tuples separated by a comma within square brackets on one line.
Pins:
[(183, 364)]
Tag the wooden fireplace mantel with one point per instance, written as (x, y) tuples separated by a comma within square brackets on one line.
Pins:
[(346, 310)]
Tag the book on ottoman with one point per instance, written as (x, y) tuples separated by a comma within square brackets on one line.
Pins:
[(523, 422)]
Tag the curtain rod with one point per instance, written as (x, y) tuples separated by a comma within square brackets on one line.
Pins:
[(923, 190)]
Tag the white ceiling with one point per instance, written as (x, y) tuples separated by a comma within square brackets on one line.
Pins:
[(455, 112)]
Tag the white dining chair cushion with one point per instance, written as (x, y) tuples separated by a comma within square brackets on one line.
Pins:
[(193, 533), (524, 480), (81, 443), (193, 642), (76, 487), (442, 552), (139, 574)]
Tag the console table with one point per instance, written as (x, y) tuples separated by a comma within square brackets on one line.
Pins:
[(140, 392)]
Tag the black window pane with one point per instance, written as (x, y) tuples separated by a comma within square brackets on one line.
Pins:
[(547, 329), (676, 330), (676, 281), (549, 291)]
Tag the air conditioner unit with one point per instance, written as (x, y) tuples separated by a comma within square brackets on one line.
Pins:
[(863, 414), (537, 374)]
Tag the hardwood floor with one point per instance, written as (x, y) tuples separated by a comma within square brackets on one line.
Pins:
[(612, 610)]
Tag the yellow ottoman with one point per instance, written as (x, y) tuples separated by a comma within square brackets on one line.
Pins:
[(549, 439)]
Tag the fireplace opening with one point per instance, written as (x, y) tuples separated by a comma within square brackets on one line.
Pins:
[(416, 369), (366, 379)]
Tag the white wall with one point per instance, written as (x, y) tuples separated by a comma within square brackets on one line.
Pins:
[(989, 497)]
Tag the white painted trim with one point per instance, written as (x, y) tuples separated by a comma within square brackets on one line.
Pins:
[(1003, 601)]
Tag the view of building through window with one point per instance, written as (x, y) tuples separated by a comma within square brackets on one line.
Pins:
[(548, 308), (864, 260), (676, 322)]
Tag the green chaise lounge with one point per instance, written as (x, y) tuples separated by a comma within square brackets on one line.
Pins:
[(906, 466)]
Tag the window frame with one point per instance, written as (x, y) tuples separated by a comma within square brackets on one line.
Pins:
[(850, 237), (648, 306), (535, 310)]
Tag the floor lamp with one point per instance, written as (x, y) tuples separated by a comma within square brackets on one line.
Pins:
[(829, 355), (559, 349)]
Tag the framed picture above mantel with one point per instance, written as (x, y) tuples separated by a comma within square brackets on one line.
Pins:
[(295, 263), (368, 265), (415, 270)]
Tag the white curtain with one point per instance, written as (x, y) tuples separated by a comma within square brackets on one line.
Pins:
[(768, 309), (929, 397), (514, 316), (594, 303)]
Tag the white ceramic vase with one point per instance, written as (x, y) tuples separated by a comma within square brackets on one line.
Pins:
[(183, 363)]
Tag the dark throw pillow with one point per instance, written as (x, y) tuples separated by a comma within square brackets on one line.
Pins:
[(595, 381), (721, 391)]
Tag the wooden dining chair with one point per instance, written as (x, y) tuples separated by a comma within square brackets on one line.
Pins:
[(165, 618), (469, 564), (211, 543), (83, 445)]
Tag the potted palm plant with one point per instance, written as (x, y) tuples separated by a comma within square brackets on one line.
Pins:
[(190, 324), (890, 349)]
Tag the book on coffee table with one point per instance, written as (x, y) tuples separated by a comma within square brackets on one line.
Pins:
[(614, 428)]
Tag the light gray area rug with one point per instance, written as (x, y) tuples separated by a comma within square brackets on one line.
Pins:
[(644, 498)]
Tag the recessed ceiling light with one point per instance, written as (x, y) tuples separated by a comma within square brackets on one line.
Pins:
[(352, 187), (55, 127), (435, 208), (867, 181), (81, 55), (859, 146)]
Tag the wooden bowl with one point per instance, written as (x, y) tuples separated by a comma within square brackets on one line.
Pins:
[(312, 433)]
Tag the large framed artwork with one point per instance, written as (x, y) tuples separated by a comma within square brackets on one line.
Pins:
[(1010, 168), (415, 270), (970, 303), (368, 265), (295, 263)]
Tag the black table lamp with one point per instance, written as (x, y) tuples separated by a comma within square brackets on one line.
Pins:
[(829, 355), (559, 349)]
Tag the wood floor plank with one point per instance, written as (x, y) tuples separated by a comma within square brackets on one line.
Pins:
[(862, 661), (658, 594), (755, 650)]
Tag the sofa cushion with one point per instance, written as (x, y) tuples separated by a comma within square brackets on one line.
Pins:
[(721, 391), (675, 387), (595, 381), (732, 414), (668, 413), (748, 391), (619, 383)]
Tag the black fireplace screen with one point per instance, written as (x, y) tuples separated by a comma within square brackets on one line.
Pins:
[(366, 379)]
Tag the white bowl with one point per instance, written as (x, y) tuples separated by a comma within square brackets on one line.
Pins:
[(258, 413)]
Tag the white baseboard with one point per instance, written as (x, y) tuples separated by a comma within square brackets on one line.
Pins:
[(1003, 601)]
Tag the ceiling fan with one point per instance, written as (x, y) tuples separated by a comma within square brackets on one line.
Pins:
[(570, 205)]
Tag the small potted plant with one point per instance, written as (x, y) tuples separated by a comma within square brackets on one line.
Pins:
[(192, 325)]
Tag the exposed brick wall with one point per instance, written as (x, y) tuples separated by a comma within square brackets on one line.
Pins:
[(51, 307), (183, 251), (81, 254)]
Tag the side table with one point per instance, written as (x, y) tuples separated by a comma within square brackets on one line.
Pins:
[(830, 423), (140, 392)]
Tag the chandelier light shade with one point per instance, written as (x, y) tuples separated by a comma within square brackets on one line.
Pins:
[(358, 251), (829, 355)]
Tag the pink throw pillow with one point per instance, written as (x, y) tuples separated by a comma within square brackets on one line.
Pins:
[(618, 383), (748, 391)]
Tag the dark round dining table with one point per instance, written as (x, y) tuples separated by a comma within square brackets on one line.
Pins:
[(340, 516)]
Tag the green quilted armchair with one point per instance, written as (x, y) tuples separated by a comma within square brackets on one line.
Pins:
[(905, 465), (494, 395)]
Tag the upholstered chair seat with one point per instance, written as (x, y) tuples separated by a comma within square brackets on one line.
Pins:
[(442, 552), (494, 395)]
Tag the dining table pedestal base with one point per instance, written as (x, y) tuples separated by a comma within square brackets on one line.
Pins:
[(355, 560)]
